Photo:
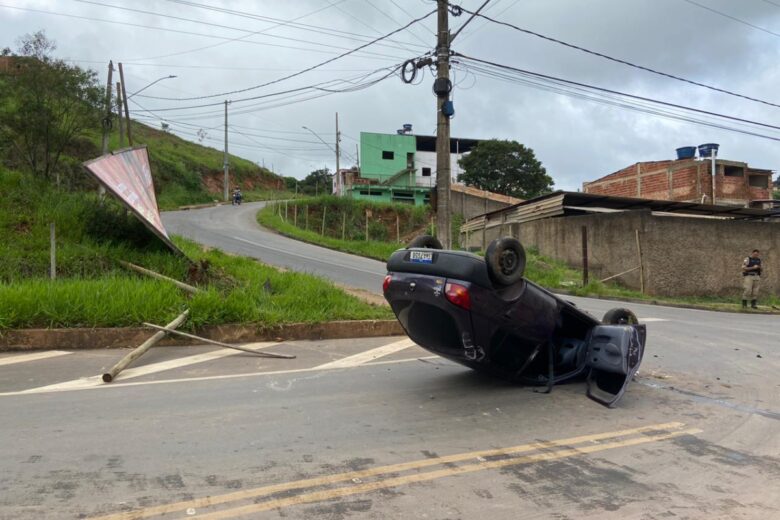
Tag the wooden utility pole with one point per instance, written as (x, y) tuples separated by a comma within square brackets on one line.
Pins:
[(107, 120), (337, 178), (225, 165), (119, 114), (127, 110), (443, 126)]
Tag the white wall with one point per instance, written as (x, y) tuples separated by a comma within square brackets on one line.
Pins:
[(428, 160)]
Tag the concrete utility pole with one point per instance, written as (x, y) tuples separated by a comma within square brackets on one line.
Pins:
[(119, 114), (107, 119), (337, 178), (127, 110), (442, 127), (225, 164)]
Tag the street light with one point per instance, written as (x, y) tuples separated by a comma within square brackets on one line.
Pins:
[(318, 137), (150, 84)]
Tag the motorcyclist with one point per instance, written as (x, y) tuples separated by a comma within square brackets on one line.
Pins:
[(237, 196)]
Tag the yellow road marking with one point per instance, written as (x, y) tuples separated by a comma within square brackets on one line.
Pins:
[(393, 468), (320, 496)]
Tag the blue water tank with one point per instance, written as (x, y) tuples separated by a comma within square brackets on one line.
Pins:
[(686, 152), (707, 149)]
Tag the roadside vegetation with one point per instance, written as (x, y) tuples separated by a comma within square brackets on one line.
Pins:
[(93, 290)]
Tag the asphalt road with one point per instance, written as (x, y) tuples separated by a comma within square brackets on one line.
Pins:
[(234, 229), (377, 428)]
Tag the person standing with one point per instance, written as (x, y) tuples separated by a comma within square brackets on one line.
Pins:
[(751, 273)]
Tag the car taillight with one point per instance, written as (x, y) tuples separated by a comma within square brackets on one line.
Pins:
[(386, 283), (458, 295)]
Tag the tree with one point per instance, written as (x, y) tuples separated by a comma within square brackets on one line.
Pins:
[(317, 182), (505, 167), (46, 105)]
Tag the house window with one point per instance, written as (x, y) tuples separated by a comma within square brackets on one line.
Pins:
[(388, 155), (758, 181), (426, 172), (733, 171)]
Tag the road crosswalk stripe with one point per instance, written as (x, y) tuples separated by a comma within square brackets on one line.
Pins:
[(23, 358), (144, 370), (369, 355)]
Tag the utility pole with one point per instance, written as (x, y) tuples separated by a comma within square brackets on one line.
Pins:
[(442, 88), (127, 110), (119, 113), (225, 164), (107, 119), (337, 178)]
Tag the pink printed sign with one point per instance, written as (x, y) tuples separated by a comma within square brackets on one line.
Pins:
[(128, 175)]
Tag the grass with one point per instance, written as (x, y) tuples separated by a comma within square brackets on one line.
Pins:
[(93, 290)]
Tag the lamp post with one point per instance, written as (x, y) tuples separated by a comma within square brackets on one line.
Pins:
[(150, 84)]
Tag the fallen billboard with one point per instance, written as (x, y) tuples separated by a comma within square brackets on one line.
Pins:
[(127, 174)]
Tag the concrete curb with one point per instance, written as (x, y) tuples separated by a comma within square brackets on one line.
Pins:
[(81, 338)]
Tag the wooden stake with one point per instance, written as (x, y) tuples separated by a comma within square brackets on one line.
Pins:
[(295, 215), (397, 228), (219, 343), (366, 226), (343, 225), (285, 211), (307, 217), (181, 285), (142, 348), (641, 264), (52, 252), (324, 211), (584, 256)]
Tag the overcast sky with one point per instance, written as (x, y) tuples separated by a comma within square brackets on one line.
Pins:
[(216, 52)]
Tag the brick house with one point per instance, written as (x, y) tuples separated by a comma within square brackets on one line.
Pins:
[(687, 180)]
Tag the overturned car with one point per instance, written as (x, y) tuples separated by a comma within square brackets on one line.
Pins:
[(482, 313)]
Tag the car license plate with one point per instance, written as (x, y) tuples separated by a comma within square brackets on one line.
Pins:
[(421, 257)]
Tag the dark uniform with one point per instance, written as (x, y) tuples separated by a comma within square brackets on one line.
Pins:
[(751, 272)]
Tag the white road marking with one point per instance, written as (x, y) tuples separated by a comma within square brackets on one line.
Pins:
[(369, 355), (649, 320), (202, 378), (153, 368), (264, 246), (23, 358)]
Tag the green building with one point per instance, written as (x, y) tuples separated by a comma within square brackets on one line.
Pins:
[(397, 167)]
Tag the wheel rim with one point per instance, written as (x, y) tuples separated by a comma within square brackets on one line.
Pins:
[(508, 261)]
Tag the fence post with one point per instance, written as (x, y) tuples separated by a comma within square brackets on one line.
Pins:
[(53, 252), (306, 208), (295, 215), (324, 211), (397, 228), (285, 211), (641, 263), (343, 225), (584, 256)]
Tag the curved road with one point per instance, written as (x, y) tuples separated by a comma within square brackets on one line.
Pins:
[(234, 229)]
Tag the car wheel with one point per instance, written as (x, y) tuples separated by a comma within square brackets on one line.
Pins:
[(505, 259), (620, 316), (425, 241)]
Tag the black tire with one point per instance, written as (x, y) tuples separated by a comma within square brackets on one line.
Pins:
[(619, 316), (505, 259), (425, 241)]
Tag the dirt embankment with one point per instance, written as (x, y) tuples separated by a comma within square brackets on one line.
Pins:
[(213, 180)]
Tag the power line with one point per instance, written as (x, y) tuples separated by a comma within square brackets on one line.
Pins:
[(734, 18), (628, 63), (632, 97), (308, 69)]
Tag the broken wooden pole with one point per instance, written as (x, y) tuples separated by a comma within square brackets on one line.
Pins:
[(142, 348), (147, 272), (219, 343)]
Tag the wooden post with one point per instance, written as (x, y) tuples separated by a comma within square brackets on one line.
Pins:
[(120, 119), (584, 256), (397, 228), (52, 252), (343, 225), (127, 110), (181, 285), (285, 210), (324, 212), (367, 225), (295, 215), (142, 348), (306, 208), (641, 263), (433, 227)]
